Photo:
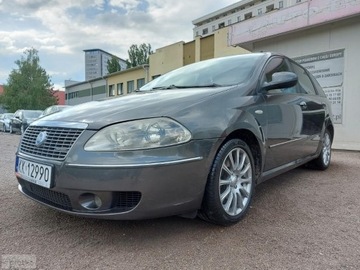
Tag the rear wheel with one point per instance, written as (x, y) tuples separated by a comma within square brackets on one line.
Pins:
[(322, 162), (230, 185)]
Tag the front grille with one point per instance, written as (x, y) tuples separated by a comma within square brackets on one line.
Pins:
[(126, 200), (56, 146), (47, 196)]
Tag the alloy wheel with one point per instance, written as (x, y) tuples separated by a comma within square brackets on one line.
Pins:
[(326, 151), (235, 182)]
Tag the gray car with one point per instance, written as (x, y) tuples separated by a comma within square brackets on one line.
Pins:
[(22, 119), (195, 141)]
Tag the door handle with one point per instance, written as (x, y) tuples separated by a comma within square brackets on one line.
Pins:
[(303, 104)]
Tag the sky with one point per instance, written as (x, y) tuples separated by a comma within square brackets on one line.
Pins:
[(61, 29)]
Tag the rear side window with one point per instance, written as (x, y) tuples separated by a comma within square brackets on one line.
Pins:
[(305, 85)]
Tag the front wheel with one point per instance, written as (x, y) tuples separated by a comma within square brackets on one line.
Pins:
[(322, 162), (230, 184)]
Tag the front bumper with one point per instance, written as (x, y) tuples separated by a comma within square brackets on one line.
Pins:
[(129, 185)]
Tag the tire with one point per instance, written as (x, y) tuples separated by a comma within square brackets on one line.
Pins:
[(230, 185), (322, 162)]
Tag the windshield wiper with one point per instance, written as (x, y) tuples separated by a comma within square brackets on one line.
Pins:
[(205, 85), (172, 86)]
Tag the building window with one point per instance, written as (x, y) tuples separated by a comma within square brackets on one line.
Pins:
[(248, 16), (140, 82), (155, 76), (269, 8), (197, 33), (298, 1), (119, 89), (229, 22), (213, 28), (111, 90), (281, 4), (259, 11), (205, 31), (72, 95), (130, 86), (221, 25), (239, 18)]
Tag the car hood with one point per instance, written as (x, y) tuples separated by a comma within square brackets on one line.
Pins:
[(138, 105), (29, 120)]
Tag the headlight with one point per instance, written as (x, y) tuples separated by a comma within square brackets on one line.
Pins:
[(139, 134)]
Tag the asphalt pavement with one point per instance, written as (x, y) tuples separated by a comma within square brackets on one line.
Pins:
[(304, 219)]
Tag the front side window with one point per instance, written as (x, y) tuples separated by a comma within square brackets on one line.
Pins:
[(305, 86)]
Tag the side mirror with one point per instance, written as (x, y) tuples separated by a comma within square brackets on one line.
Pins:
[(281, 80)]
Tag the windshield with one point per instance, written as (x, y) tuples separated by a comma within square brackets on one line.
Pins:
[(32, 114), (210, 73)]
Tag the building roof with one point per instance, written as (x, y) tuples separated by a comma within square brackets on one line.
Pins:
[(127, 70), (100, 50), (222, 11)]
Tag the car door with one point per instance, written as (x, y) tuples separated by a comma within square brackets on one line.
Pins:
[(15, 121), (19, 120), (284, 134), (313, 110)]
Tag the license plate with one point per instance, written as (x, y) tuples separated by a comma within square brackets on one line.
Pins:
[(34, 172)]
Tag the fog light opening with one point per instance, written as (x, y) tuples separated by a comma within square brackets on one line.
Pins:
[(90, 201)]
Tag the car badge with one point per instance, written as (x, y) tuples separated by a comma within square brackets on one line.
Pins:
[(41, 138)]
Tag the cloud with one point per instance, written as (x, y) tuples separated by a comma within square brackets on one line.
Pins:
[(61, 29)]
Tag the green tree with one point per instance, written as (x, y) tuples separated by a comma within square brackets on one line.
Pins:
[(139, 55), (28, 86), (113, 65)]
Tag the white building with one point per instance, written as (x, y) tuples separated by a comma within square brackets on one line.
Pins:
[(96, 63), (240, 11), (322, 35)]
